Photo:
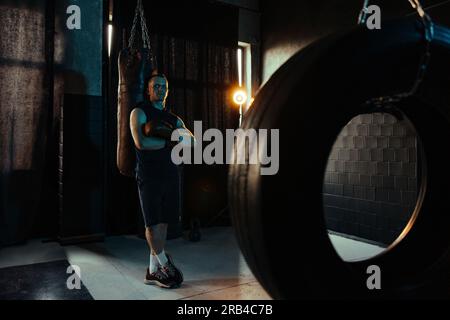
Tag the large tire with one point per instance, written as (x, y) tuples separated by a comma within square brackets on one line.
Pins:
[(279, 220), (132, 74)]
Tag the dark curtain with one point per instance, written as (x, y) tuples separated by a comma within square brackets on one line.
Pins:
[(25, 100), (201, 75), (195, 43)]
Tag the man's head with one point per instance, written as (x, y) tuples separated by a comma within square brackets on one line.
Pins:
[(157, 89)]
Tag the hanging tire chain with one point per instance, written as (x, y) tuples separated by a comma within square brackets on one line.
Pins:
[(387, 102)]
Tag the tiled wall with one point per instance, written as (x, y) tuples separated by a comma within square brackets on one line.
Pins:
[(371, 183)]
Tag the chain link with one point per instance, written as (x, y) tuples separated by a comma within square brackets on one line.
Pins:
[(388, 102), (135, 21), (146, 43), (363, 14)]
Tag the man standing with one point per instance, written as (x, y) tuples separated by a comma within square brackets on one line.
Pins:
[(157, 177)]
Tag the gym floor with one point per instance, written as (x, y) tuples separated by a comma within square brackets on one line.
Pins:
[(114, 270)]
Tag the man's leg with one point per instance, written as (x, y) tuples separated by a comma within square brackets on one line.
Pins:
[(171, 211), (163, 233), (152, 243), (150, 197), (156, 238)]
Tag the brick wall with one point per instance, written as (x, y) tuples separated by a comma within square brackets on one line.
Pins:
[(370, 186)]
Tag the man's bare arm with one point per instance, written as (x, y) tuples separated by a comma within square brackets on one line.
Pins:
[(137, 120)]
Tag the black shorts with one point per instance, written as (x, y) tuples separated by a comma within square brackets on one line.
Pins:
[(160, 199)]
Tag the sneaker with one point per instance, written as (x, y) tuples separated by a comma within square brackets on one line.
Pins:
[(159, 278), (172, 271)]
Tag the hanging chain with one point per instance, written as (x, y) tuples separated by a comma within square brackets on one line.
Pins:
[(428, 26), (426, 19), (363, 14), (140, 15), (135, 21), (145, 36)]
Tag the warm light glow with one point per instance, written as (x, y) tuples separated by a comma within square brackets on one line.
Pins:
[(251, 102), (240, 97), (239, 58), (244, 64), (110, 34)]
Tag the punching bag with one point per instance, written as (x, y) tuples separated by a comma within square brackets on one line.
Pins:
[(135, 64), (134, 67)]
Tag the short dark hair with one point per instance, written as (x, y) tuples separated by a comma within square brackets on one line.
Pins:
[(154, 75)]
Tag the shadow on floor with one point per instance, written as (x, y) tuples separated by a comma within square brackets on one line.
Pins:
[(42, 281)]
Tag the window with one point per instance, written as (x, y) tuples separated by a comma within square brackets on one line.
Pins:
[(244, 58)]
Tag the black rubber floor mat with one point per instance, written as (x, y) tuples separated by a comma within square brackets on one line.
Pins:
[(43, 281)]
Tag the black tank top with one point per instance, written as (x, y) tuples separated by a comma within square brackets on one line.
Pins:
[(156, 163)]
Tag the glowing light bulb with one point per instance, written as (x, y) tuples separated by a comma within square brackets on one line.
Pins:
[(240, 97)]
